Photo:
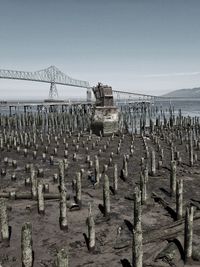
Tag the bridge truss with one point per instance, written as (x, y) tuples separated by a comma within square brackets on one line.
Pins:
[(54, 76), (50, 75)]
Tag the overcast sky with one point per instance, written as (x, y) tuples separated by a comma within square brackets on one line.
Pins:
[(150, 46)]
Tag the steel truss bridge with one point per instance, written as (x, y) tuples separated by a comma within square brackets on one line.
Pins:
[(53, 76), (50, 75)]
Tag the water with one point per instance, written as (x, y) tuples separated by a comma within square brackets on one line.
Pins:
[(188, 107)]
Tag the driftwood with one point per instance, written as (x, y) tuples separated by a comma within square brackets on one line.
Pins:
[(196, 203), (153, 251), (16, 196), (165, 204), (168, 232), (160, 200), (170, 253)]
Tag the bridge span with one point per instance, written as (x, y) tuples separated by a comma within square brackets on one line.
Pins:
[(50, 75), (54, 76)]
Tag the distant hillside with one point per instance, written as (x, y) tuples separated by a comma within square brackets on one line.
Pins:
[(195, 92)]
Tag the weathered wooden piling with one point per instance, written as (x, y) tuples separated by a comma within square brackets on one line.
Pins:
[(62, 258), (105, 168), (44, 157), (160, 164), (78, 189), (63, 211), (51, 160), (5, 161), (46, 188), (61, 175), (4, 220), (179, 199), (137, 250), (125, 167), (188, 233), (34, 154), (74, 157), (40, 172), (87, 159), (33, 183), (142, 164), (143, 188), (173, 178), (25, 152), (96, 169), (146, 174), (91, 229), (14, 164), (153, 163), (106, 196), (90, 164), (55, 178), (26, 245), (115, 178), (191, 152), (13, 177), (40, 194)]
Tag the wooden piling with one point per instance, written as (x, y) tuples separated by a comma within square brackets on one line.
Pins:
[(188, 233), (78, 189), (137, 250), (179, 199), (106, 196), (62, 258), (173, 178), (63, 211), (40, 193), (91, 229), (115, 178), (4, 220), (153, 163), (26, 245)]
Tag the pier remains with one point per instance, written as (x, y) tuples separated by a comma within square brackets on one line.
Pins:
[(105, 118)]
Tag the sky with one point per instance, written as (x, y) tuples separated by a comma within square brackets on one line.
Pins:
[(144, 46)]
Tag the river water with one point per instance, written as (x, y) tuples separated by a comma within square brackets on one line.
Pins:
[(188, 107)]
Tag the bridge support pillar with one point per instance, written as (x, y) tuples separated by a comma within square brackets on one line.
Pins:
[(53, 93), (89, 95)]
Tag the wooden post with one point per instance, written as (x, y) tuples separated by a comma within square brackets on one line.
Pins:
[(26, 245), (62, 259), (191, 157), (179, 199), (63, 211), (137, 250), (125, 166), (106, 196), (41, 209), (153, 163), (173, 178), (146, 174), (115, 178), (33, 183), (4, 220), (143, 188), (96, 170), (91, 229), (78, 189), (61, 175), (142, 164), (188, 233), (105, 168)]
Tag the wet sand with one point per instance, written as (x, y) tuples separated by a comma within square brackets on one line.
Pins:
[(112, 248)]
